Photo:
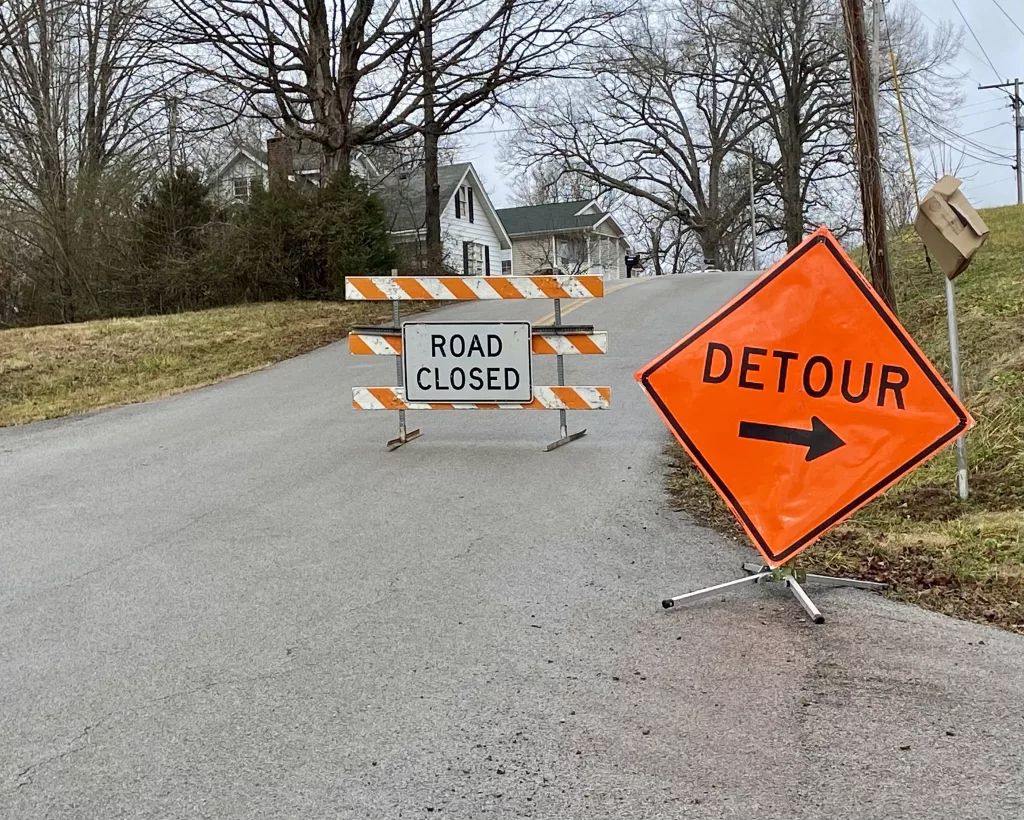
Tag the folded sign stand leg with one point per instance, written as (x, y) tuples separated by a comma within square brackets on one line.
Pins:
[(758, 574)]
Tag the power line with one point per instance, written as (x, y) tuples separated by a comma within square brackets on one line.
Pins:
[(949, 133), (1008, 17), (982, 130), (956, 5), (979, 147), (935, 23)]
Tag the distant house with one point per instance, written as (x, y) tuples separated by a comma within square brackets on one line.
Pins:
[(247, 167), (473, 235), (573, 237)]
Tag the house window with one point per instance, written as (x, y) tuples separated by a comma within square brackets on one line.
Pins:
[(506, 267), (241, 188), (464, 203), (476, 259)]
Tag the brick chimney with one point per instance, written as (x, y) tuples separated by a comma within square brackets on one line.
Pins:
[(279, 162)]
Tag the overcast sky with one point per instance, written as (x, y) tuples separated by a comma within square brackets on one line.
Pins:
[(985, 118)]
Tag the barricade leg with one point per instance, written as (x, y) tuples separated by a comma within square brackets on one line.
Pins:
[(404, 436), (563, 420)]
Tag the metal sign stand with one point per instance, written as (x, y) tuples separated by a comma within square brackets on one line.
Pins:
[(760, 574), (403, 436), (563, 423)]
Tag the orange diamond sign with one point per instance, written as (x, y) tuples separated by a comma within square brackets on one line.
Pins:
[(803, 398)]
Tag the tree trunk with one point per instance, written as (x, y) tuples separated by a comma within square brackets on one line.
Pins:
[(328, 110), (431, 140), (710, 245), (792, 188), (432, 185)]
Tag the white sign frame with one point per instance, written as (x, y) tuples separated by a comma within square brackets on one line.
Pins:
[(518, 356)]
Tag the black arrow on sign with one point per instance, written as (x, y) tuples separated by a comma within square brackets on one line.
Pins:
[(820, 440)]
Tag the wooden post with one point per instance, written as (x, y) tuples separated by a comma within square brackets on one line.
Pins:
[(869, 163)]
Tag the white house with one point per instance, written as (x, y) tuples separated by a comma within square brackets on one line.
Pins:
[(574, 237), (473, 235), (246, 167)]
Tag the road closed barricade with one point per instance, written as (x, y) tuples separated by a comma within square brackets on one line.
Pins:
[(476, 365)]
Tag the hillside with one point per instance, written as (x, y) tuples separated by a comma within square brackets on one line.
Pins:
[(962, 558), (59, 370)]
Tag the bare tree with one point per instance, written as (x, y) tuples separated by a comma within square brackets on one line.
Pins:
[(335, 72), (546, 182), (804, 93), (81, 93), (670, 106), (665, 244), (471, 52)]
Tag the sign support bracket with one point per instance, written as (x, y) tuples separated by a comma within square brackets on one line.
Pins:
[(564, 436), (404, 436), (760, 574)]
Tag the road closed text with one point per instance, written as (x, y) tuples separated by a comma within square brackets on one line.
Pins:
[(468, 362)]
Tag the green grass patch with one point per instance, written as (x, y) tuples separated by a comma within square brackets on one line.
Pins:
[(61, 370), (962, 558)]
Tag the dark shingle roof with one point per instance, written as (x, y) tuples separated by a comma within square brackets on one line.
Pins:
[(558, 216), (405, 196)]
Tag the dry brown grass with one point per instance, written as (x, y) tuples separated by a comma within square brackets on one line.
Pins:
[(61, 370)]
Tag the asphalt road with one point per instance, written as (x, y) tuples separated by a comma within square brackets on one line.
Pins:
[(236, 604)]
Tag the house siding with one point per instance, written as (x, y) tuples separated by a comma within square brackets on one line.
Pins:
[(607, 254), (456, 231), (613, 252), (241, 167), (530, 253)]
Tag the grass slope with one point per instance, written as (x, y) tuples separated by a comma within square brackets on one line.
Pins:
[(60, 370), (962, 558)]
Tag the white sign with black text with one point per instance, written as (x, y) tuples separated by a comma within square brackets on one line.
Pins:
[(468, 362)]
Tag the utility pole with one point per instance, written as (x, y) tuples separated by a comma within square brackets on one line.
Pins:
[(876, 52), (1018, 127), (868, 157), (753, 214)]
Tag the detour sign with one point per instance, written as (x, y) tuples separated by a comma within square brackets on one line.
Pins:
[(803, 398)]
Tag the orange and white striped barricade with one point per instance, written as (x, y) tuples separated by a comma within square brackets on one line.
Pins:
[(557, 339)]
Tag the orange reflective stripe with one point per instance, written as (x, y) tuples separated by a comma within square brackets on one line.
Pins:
[(605, 393), (542, 346), (358, 346), (387, 397), (458, 287), (549, 286), (413, 288), (366, 288), (570, 398), (504, 288), (595, 284), (584, 344)]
